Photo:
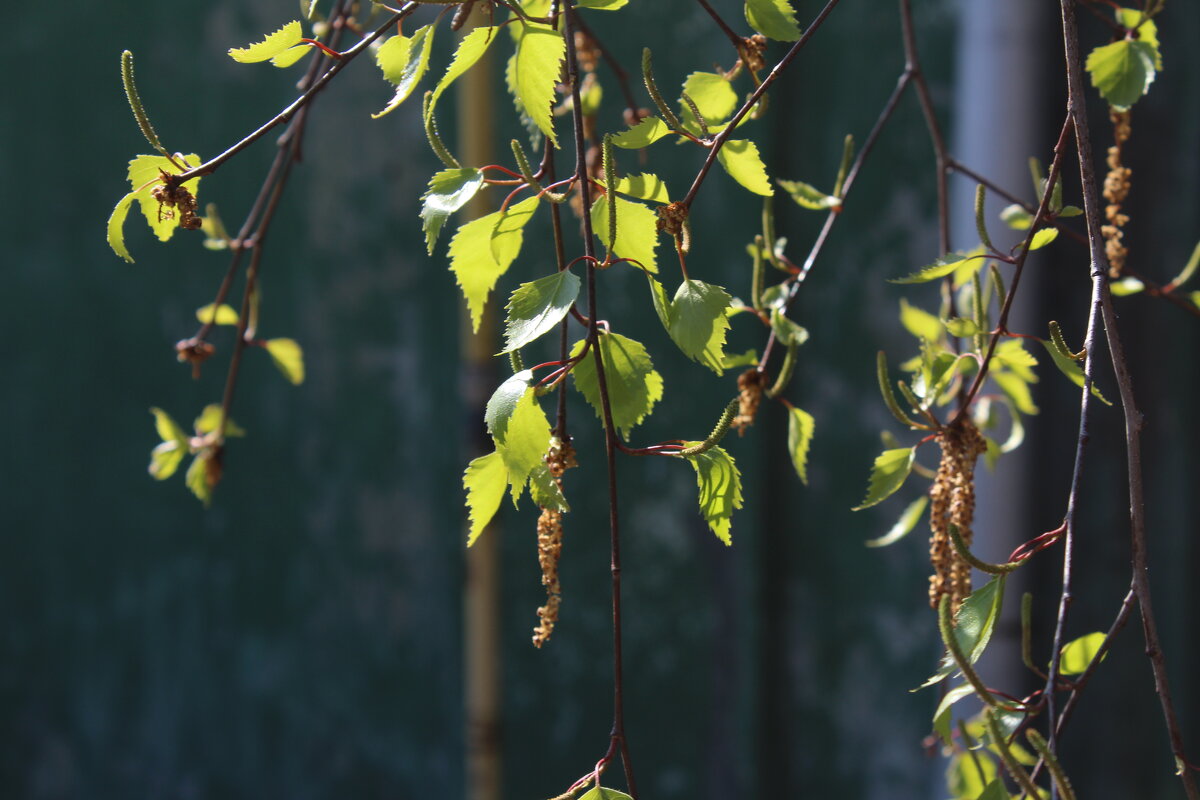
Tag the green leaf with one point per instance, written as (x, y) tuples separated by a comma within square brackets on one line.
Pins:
[(225, 315), (1043, 237), (165, 459), (698, 322), (938, 269), (1078, 653), (1189, 269), (908, 520), (920, 323), (741, 160), (662, 304), (1069, 211), (145, 173), (1123, 71), (645, 133), (483, 249), (602, 5), (713, 96), (288, 357), (787, 332), (969, 775), (637, 230), (1016, 217), (545, 490), (1072, 369), (1013, 355), (197, 478), (808, 196), (746, 359), (503, 402), (470, 49), (404, 61), (449, 190), (961, 326), (888, 474), (484, 480), (290, 56), (1125, 287), (308, 8), (116, 226), (210, 419), (644, 187), (274, 44), (633, 384), (1147, 31), (975, 622), (800, 433), (540, 53), (994, 791), (603, 793), (168, 429), (774, 19), (942, 716), (524, 441), (720, 486), (537, 307), (1016, 389)]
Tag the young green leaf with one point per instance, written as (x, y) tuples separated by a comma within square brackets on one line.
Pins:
[(942, 716), (290, 56), (483, 249), (165, 459), (168, 429), (604, 793), (470, 49), (889, 473), (1016, 217), (800, 432), (545, 490), (288, 358), (808, 196), (713, 96), (746, 359), (1072, 370), (720, 486), (644, 134), (210, 419), (908, 520), (145, 173), (698, 322), (404, 61), (116, 226), (1016, 389), (484, 480), (538, 63), (271, 46), (602, 5), (644, 187), (976, 620), (741, 160), (662, 303), (938, 269), (774, 19), (503, 402), (200, 479), (524, 441), (961, 326), (537, 307), (787, 332), (633, 384), (225, 315), (1043, 237), (449, 190), (1123, 71), (1078, 653), (637, 230), (919, 322)]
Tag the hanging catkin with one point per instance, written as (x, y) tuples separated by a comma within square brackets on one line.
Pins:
[(952, 502)]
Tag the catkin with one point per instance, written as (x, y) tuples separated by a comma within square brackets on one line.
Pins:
[(560, 457), (952, 502), (1116, 188), (750, 391)]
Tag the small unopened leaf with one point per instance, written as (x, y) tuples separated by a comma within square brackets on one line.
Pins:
[(633, 384), (808, 196), (1123, 70), (535, 308), (800, 432), (645, 133), (271, 46), (484, 480), (637, 230), (1078, 654), (774, 19), (720, 486), (168, 429), (698, 322), (888, 474), (1043, 237), (225, 315), (449, 190), (404, 61), (288, 357), (538, 63), (741, 160), (908, 520)]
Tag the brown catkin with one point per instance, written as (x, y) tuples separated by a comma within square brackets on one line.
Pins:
[(952, 501), (559, 459), (1116, 189), (750, 391)]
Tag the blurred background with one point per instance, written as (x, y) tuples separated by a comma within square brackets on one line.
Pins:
[(303, 637)]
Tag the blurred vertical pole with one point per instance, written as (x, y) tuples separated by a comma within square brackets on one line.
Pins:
[(481, 587)]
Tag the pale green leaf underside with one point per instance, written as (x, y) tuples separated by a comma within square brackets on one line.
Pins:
[(1123, 71), (741, 160), (720, 486), (225, 315), (271, 46), (645, 133), (540, 53), (404, 62), (698, 322), (888, 474), (637, 230), (633, 384), (644, 187), (288, 358), (449, 190), (908, 520), (774, 19), (800, 432), (484, 480), (483, 249), (535, 308)]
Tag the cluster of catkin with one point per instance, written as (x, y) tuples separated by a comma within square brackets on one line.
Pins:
[(952, 502), (750, 392), (560, 457), (1116, 188)]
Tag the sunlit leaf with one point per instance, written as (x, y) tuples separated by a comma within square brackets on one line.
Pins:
[(271, 46), (470, 49), (1126, 286), (1012, 354), (698, 322), (774, 19), (720, 486), (288, 357), (116, 226), (225, 315), (808, 196), (969, 775), (481, 251), (1123, 71), (449, 190), (503, 402), (404, 61), (938, 269), (741, 160), (199, 477), (145, 173), (540, 53), (974, 624), (1016, 389), (888, 474), (633, 384), (1043, 237), (604, 793), (644, 187), (1078, 653), (165, 459), (537, 307), (961, 326), (524, 441), (484, 480), (1016, 217), (637, 230), (713, 96), (545, 491), (1072, 369), (645, 133), (942, 716), (920, 323), (168, 429), (210, 419), (602, 5), (800, 433), (908, 520), (786, 331), (290, 56)]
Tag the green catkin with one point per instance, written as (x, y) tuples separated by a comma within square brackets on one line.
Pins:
[(718, 433), (655, 94), (610, 186), (431, 132), (135, 103)]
